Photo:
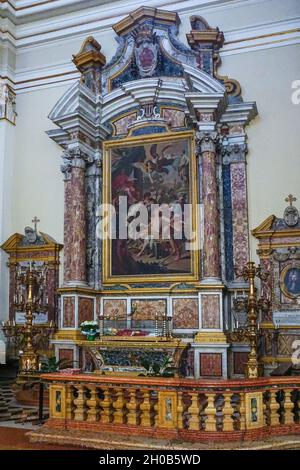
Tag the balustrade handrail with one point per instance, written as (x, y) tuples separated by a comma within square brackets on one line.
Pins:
[(153, 382), (175, 407)]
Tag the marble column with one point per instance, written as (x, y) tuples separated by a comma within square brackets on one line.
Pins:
[(74, 219), (52, 283), (67, 223), (209, 191)]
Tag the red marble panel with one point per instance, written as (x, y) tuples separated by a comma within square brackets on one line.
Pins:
[(69, 312), (239, 215), (239, 362), (175, 118), (66, 355), (210, 311), (121, 125), (185, 313), (85, 309), (211, 364)]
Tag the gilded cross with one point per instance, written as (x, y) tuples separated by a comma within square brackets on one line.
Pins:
[(290, 199), (35, 221)]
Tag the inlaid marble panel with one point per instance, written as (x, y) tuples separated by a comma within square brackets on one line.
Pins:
[(210, 311), (121, 125), (211, 365), (66, 355), (239, 214), (69, 312), (115, 308), (85, 309), (239, 362), (185, 313), (174, 117), (148, 309)]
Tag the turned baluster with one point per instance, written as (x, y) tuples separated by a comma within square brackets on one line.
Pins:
[(266, 412), (146, 408), (298, 407), (288, 405), (93, 405), (227, 413), (194, 410), (241, 409), (181, 409), (210, 411), (119, 413), (80, 404), (274, 407), (70, 402), (106, 404), (154, 408), (133, 416)]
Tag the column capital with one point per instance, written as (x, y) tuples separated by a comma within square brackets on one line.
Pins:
[(207, 141), (75, 157), (234, 151)]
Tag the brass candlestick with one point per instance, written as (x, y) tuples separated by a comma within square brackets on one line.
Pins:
[(33, 282), (252, 305)]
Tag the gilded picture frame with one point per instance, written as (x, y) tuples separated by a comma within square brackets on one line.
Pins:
[(290, 280), (160, 141)]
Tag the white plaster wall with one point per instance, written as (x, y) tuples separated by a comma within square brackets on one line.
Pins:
[(30, 179), (38, 176), (7, 188), (266, 76)]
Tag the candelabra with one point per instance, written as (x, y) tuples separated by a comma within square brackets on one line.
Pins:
[(252, 305), (30, 297)]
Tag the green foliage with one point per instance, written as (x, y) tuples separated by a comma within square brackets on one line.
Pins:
[(154, 369), (52, 365)]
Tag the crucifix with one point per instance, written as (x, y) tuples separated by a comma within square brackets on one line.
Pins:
[(290, 199), (35, 221)]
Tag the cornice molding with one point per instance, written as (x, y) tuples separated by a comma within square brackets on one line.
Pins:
[(58, 30), (26, 10)]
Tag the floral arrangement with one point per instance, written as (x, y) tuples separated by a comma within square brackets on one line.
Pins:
[(90, 329)]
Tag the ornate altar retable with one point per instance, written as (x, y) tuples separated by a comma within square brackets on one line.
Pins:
[(156, 126)]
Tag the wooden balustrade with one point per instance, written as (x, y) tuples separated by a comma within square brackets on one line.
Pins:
[(192, 409)]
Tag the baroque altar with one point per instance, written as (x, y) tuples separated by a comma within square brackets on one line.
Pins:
[(279, 253), (156, 125), (39, 251)]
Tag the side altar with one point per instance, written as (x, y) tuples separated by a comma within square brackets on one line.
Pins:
[(279, 253), (155, 133)]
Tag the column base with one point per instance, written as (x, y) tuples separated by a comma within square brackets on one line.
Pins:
[(211, 281), (74, 284)]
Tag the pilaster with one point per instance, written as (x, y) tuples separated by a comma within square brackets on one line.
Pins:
[(7, 156), (234, 151)]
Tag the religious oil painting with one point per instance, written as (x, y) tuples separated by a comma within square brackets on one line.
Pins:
[(291, 281), (150, 184)]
